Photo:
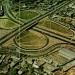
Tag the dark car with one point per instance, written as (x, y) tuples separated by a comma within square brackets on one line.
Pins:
[(1, 11)]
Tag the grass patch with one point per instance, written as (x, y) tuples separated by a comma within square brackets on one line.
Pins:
[(27, 14), (31, 40), (7, 24), (51, 25)]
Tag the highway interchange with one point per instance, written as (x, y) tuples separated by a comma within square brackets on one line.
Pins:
[(25, 26), (32, 24)]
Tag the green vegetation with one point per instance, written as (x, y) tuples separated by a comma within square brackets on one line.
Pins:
[(31, 40), (51, 25), (7, 24), (27, 15), (26, 1)]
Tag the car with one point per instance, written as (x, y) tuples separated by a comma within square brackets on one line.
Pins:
[(1, 10)]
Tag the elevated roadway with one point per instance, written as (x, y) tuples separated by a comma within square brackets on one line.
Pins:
[(31, 23)]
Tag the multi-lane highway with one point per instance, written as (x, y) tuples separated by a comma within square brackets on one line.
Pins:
[(55, 35), (31, 23), (24, 26)]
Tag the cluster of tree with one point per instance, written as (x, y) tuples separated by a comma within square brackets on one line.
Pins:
[(27, 1)]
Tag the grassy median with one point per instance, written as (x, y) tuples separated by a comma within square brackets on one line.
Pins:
[(7, 24), (27, 15), (54, 26), (31, 40)]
